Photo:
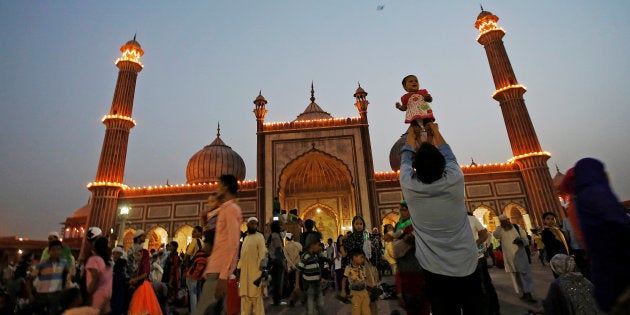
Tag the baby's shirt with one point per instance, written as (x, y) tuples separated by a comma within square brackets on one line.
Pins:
[(405, 98)]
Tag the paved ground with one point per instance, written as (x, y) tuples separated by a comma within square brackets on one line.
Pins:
[(508, 299)]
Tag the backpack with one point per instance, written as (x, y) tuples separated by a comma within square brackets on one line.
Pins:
[(198, 266)]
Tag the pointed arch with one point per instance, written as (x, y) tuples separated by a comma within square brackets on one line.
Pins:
[(488, 217), (518, 214), (183, 237), (314, 170), (156, 236), (326, 219)]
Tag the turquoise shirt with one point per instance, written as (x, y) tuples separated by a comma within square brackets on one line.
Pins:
[(444, 244)]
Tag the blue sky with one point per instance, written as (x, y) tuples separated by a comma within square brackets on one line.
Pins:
[(205, 62)]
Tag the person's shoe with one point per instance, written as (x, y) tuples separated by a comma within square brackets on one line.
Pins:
[(527, 297)]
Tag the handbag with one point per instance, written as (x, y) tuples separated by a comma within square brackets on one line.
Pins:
[(374, 291), (144, 301)]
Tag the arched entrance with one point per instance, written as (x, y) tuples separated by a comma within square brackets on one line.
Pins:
[(325, 219), (183, 237), (518, 215), (391, 218), (318, 180), (128, 239), (487, 216), (156, 237)]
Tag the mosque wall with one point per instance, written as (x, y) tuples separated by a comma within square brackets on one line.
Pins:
[(172, 212), (342, 143)]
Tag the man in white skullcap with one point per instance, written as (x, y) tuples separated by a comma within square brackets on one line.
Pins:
[(253, 253), (513, 241)]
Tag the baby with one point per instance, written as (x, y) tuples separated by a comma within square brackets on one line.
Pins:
[(416, 104)]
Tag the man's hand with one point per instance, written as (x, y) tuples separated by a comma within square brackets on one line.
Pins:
[(401, 107), (221, 289), (438, 140)]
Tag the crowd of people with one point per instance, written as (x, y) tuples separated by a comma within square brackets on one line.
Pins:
[(437, 252)]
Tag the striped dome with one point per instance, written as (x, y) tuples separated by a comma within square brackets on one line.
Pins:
[(212, 161)]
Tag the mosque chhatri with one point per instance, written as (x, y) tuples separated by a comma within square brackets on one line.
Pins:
[(318, 164)]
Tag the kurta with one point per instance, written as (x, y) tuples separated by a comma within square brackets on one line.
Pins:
[(228, 234), (514, 257), (252, 253)]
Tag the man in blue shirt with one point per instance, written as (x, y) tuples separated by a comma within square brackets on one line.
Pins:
[(433, 186)]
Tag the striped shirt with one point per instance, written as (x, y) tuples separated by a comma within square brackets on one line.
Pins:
[(309, 266), (50, 276)]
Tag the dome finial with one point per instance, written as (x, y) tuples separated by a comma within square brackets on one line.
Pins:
[(359, 83), (481, 7), (134, 36), (218, 129), (312, 93), (557, 168)]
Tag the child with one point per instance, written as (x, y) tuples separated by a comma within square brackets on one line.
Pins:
[(310, 271), (416, 104), (356, 275), (51, 275), (120, 287), (100, 276)]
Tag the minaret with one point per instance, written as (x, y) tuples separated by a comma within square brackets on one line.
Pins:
[(525, 146), (111, 166), (362, 104), (260, 111)]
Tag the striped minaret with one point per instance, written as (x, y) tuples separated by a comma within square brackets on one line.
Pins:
[(526, 149), (118, 123)]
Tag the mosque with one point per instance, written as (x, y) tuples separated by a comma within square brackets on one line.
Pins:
[(318, 164)]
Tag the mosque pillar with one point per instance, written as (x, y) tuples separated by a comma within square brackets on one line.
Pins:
[(362, 105), (526, 148), (111, 167), (260, 111)]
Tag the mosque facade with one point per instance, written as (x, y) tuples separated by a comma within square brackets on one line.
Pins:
[(318, 164)]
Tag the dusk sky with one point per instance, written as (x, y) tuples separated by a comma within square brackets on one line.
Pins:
[(205, 62)]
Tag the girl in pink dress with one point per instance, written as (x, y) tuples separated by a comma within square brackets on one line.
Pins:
[(100, 276)]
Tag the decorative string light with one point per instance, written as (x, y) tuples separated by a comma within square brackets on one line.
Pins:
[(317, 122), (127, 118), (107, 184), (542, 153), (513, 86), (488, 26), (132, 55), (181, 187)]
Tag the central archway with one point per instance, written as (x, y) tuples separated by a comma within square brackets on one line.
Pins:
[(318, 180), (325, 218)]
